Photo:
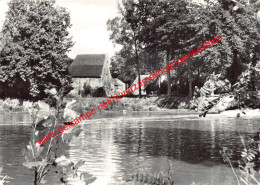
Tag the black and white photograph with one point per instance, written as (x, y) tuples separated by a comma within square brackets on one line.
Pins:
[(129, 92)]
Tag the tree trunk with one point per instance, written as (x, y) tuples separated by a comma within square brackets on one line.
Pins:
[(5, 94), (234, 70), (35, 176), (168, 75), (254, 57), (235, 67), (139, 79), (198, 77), (138, 68), (190, 81)]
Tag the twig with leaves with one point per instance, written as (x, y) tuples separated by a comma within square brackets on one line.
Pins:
[(247, 163), (48, 156), (5, 178)]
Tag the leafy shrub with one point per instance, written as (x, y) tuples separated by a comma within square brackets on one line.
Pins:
[(163, 88), (132, 104), (92, 103), (1, 104), (138, 107), (11, 104), (119, 105), (246, 83), (87, 90), (99, 92), (5, 179), (248, 162), (27, 104), (14, 105), (174, 89), (47, 155), (50, 100), (151, 87), (249, 99), (71, 96), (170, 103), (135, 106)]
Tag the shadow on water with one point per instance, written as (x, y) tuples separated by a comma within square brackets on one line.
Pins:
[(115, 145), (182, 144)]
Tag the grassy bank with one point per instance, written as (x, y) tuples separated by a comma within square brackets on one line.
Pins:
[(130, 104), (134, 104)]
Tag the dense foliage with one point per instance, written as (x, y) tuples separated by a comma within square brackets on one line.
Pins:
[(35, 41), (87, 90), (168, 29), (122, 68), (99, 92)]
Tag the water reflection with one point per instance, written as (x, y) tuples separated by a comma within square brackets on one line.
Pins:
[(115, 145), (14, 118)]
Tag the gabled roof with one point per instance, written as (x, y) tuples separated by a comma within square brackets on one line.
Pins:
[(87, 66)]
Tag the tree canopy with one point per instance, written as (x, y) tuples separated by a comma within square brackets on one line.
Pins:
[(35, 41), (171, 28)]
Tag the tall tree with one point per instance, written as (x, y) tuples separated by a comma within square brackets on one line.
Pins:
[(238, 29), (125, 31), (122, 67), (164, 28), (35, 41), (175, 27)]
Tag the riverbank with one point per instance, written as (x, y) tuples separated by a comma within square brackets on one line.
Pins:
[(83, 104), (13, 105), (155, 104), (134, 104), (241, 113), (128, 104)]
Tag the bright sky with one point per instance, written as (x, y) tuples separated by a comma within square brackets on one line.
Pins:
[(88, 19)]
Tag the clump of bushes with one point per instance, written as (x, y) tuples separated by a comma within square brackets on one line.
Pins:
[(249, 100), (87, 90), (15, 105), (27, 104), (136, 104), (163, 88), (11, 105), (152, 87), (170, 103), (99, 92), (131, 104), (91, 103)]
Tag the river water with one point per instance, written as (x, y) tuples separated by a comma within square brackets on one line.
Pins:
[(116, 145)]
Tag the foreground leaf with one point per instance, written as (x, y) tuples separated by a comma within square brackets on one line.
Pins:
[(34, 164), (63, 161)]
